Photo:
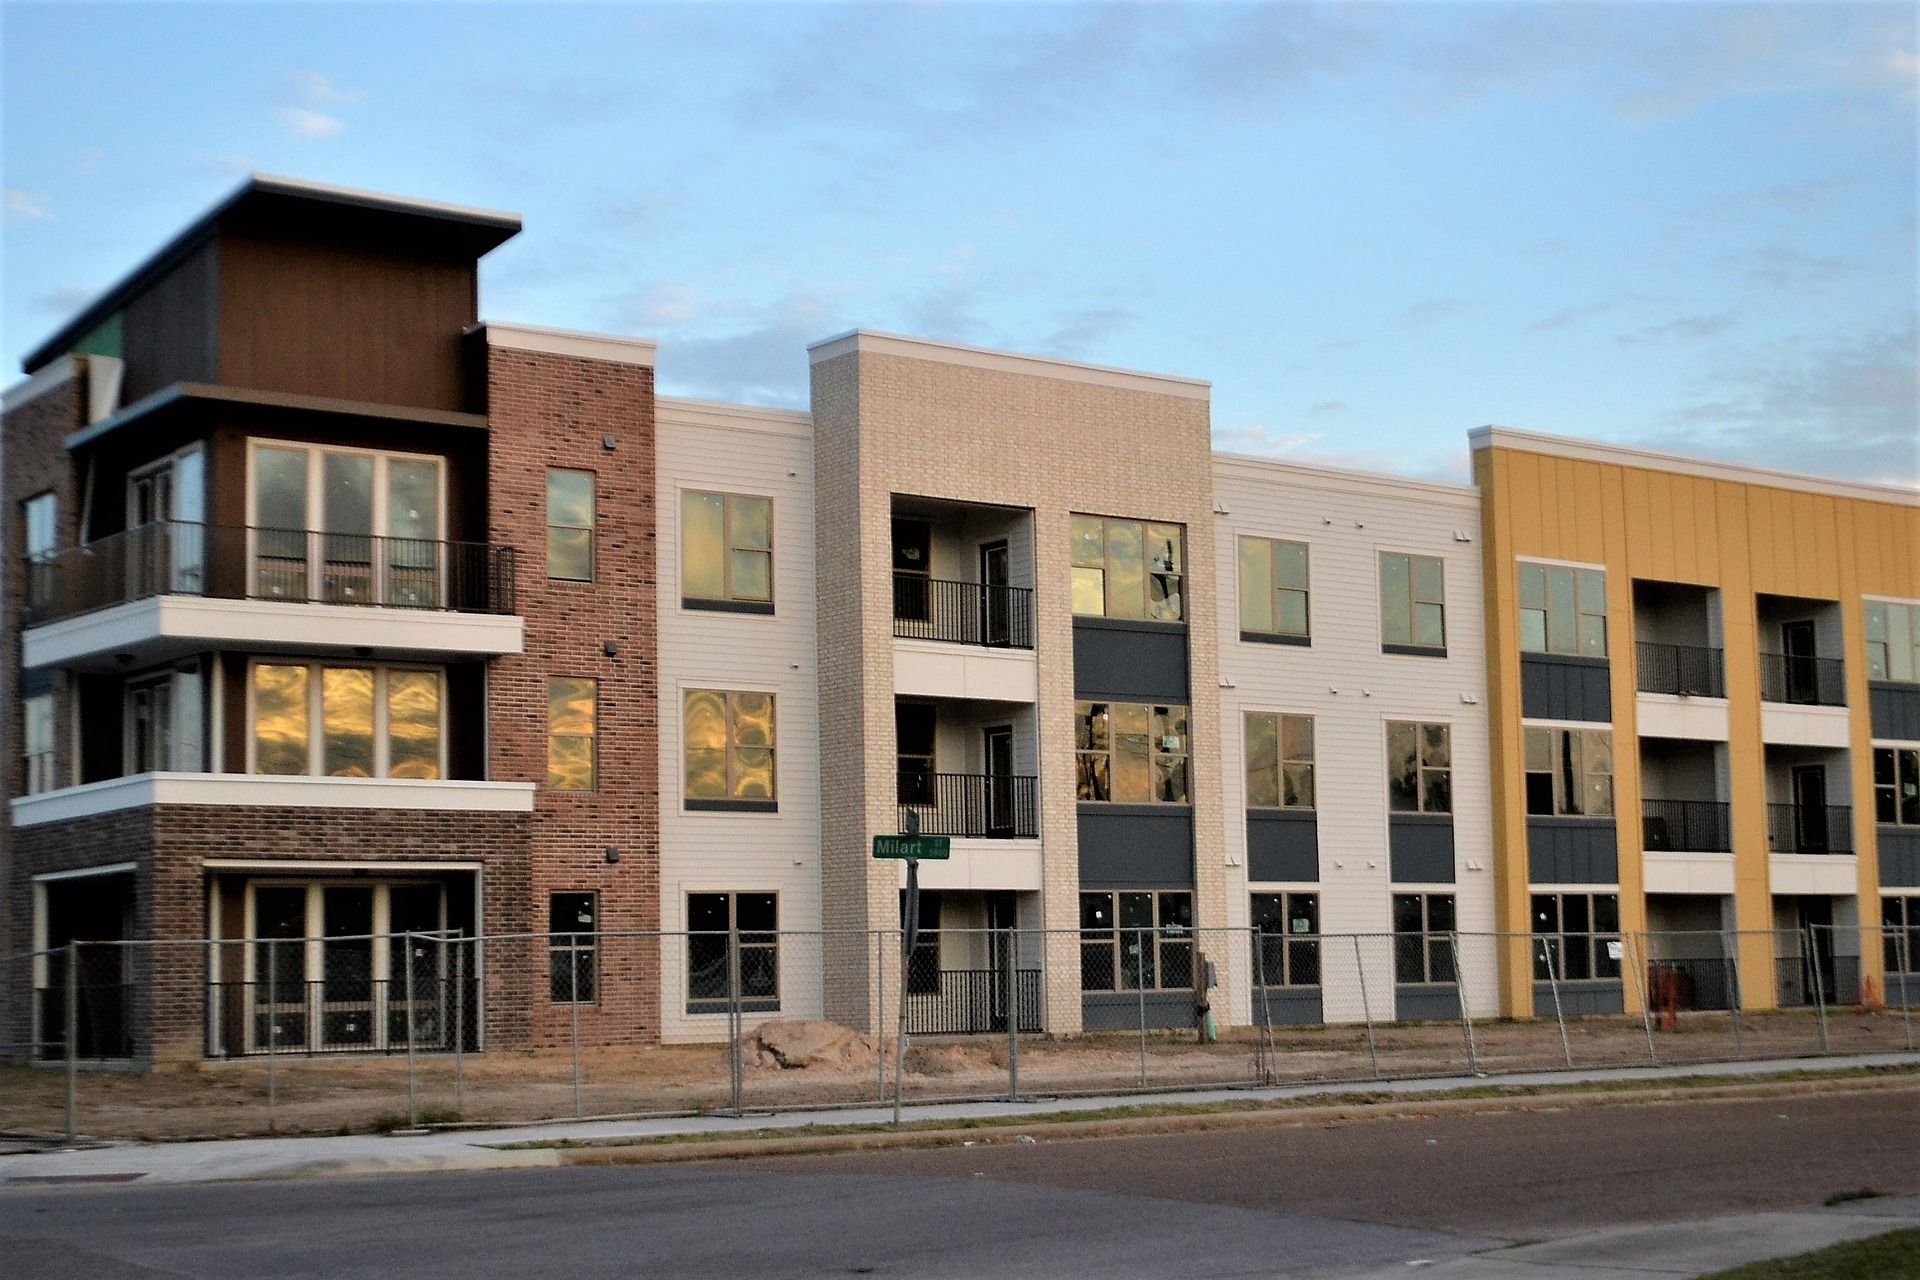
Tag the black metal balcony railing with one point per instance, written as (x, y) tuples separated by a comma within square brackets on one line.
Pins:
[(1813, 682), (1681, 668), (958, 1002), (1686, 826), (232, 562), (962, 612), (996, 806), (1794, 828)]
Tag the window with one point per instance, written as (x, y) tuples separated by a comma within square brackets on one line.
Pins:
[(713, 919), (1569, 772), (570, 525), (163, 723), (729, 750), (1413, 603), (1580, 932), (923, 966), (345, 526), (1130, 941), (1900, 934), (1286, 939), (913, 733), (36, 743), (1896, 786), (1563, 610), (572, 948), (573, 730), (1423, 925), (1273, 590), (726, 551), (1419, 768), (42, 516), (1130, 754), (1279, 760), (1128, 569), (1893, 641), (336, 721)]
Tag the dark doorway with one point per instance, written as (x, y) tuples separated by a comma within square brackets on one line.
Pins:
[(1803, 677), (994, 596)]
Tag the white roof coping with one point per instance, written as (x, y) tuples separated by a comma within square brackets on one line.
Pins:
[(895, 344), (570, 342), (1307, 472)]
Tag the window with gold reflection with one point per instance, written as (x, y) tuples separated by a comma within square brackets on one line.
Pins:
[(729, 750), (1128, 569), (413, 724), (726, 552), (346, 719), (342, 721), (280, 719), (572, 726)]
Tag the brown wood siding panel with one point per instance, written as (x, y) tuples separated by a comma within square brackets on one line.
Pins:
[(335, 321), (169, 332)]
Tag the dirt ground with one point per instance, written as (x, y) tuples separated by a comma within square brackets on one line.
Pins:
[(342, 1094)]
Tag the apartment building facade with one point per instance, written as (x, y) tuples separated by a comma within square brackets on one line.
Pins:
[(335, 612)]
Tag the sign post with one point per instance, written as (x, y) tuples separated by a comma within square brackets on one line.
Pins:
[(912, 847)]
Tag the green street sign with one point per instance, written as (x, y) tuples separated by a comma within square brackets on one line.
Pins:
[(932, 848)]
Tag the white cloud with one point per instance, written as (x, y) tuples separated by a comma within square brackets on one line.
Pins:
[(317, 90), (30, 205), (314, 126), (310, 111)]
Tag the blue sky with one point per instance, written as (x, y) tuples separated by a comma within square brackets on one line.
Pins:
[(1372, 227)]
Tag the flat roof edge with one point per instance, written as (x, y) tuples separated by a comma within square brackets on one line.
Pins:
[(959, 353), (1464, 493), (569, 342)]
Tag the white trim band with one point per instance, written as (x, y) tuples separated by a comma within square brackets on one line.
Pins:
[(228, 789)]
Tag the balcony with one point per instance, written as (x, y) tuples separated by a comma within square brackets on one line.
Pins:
[(1686, 670), (1801, 680), (172, 587), (976, 805), (962, 612), (1686, 826), (1794, 828)]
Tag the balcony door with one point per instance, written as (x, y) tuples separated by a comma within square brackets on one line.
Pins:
[(912, 570), (997, 744), (1797, 643), (166, 507), (1810, 808), (994, 595)]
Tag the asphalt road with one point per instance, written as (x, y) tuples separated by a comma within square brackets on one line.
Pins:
[(1350, 1199)]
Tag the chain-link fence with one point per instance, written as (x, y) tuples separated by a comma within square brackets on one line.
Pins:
[(355, 1032)]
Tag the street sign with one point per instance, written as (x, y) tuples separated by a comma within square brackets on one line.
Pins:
[(932, 848)]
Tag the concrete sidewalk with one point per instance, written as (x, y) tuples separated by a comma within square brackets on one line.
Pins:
[(469, 1149)]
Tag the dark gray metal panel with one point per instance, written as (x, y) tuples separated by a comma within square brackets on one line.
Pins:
[(1422, 1004), (1556, 687), (1288, 1006), (1903, 989), (1120, 1010), (1894, 710), (1420, 847), (1899, 856), (1126, 661), (1283, 844), (1136, 846), (1572, 851), (1581, 999)]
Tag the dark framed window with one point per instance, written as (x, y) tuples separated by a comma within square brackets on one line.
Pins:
[(1413, 603), (1900, 933), (1133, 940), (1893, 641), (726, 550), (1423, 926), (1419, 767), (1279, 751), (1563, 609), (1581, 933), (712, 919), (573, 720), (1274, 593), (1129, 753), (1287, 939), (573, 954), (1569, 772), (1128, 569), (570, 525), (36, 743), (1896, 786), (913, 731)]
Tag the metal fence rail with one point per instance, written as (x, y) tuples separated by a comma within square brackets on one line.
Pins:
[(1692, 670), (962, 612)]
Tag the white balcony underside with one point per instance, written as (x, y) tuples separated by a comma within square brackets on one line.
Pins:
[(1697, 719), (1702, 873), (935, 669), (229, 789), (1816, 875), (983, 864), (1786, 725), (163, 627)]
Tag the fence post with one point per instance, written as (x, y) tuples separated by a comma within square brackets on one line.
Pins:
[(1553, 984), (1013, 1016), (459, 1024), (1466, 1014), (573, 1009), (413, 1081), (273, 1038), (736, 1030), (73, 1042), (1366, 1006), (1907, 979), (900, 1036), (1266, 1006), (879, 1016), (1140, 982), (1819, 986), (1639, 965), (1730, 955)]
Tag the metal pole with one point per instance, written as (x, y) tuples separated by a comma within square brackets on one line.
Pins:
[(736, 1029), (1819, 986), (1553, 983), (273, 1038), (900, 1038), (1734, 996), (1366, 1006), (73, 1041), (1013, 1019), (573, 1008), (1639, 967), (1140, 982), (459, 1025), (413, 1083), (879, 1015), (1907, 979), (1466, 1014), (1266, 1007)]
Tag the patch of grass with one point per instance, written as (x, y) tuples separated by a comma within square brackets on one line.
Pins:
[(1894, 1256)]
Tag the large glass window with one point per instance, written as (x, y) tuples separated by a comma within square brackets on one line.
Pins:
[(1279, 760), (1423, 925), (726, 549), (570, 525), (1129, 753), (36, 743), (41, 515), (1580, 932), (729, 749), (573, 937), (282, 740), (1128, 569), (1900, 934), (1569, 772), (711, 920), (163, 718), (1286, 930), (337, 721), (1413, 602), (1135, 940), (1273, 590), (1893, 641), (1896, 786), (573, 727), (1419, 767), (1563, 609), (376, 538)]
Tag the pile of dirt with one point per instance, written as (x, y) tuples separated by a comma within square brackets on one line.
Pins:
[(806, 1044)]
